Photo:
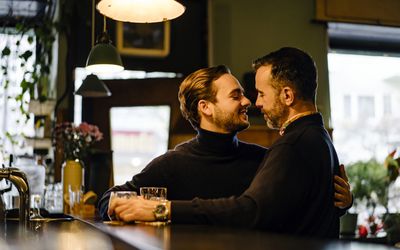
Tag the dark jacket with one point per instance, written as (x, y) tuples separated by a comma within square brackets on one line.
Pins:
[(291, 193)]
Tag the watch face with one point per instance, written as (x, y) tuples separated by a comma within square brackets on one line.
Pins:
[(161, 212), (160, 209)]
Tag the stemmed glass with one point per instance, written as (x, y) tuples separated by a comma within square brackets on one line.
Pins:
[(36, 218), (36, 201)]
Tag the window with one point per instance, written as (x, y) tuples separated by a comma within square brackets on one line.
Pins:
[(387, 104), (138, 135), (367, 127), (12, 122), (366, 107), (139, 130), (347, 105)]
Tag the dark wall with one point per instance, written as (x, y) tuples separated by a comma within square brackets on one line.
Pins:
[(188, 51), (188, 48), (188, 44)]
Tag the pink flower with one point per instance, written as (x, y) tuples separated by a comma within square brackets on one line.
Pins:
[(76, 139)]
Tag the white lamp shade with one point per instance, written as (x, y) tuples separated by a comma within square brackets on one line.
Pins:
[(141, 11)]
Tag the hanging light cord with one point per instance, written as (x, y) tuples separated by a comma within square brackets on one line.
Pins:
[(104, 38)]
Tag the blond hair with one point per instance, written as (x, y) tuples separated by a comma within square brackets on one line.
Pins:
[(199, 86)]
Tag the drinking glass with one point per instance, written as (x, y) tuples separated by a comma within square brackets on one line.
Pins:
[(36, 203), (49, 198), (58, 197), (121, 195), (154, 193), (75, 199)]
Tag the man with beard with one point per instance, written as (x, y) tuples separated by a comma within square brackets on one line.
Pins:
[(293, 189), (215, 163)]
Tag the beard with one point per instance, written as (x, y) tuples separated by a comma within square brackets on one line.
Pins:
[(230, 121), (277, 115)]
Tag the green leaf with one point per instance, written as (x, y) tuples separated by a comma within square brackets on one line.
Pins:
[(24, 85), (6, 51), (19, 27), (30, 39), (26, 55)]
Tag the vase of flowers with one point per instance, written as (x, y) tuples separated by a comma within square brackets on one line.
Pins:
[(75, 140)]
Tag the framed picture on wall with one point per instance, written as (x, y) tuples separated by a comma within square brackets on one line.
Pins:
[(143, 39)]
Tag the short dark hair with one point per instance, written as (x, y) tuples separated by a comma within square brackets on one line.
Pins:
[(294, 67), (199, 86)]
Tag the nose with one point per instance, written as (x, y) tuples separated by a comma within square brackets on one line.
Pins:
[(258, 102), (245, 101)]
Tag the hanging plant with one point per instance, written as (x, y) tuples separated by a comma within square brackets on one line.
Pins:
[(35, 81), (26, 53)]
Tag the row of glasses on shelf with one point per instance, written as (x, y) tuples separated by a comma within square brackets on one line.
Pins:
[(50, 199)]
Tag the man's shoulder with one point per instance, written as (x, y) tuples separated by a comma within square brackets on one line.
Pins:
[(252, 147), (301, 135), (184, 146)]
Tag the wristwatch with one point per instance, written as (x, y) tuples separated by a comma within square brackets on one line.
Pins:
[(161, 212)]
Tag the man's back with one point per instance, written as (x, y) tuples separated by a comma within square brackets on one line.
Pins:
[(299, 171), (292, 192)]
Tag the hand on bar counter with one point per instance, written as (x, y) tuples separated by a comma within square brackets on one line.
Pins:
[(139, 209)]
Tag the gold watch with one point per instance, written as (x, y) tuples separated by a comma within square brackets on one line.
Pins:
[(161, 212)]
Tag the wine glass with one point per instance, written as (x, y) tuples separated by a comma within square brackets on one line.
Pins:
[(36, 201)]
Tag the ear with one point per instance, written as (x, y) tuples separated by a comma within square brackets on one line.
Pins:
[(287, 96), (204, 108)]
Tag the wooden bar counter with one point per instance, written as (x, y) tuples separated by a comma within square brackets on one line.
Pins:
[(94, 234)]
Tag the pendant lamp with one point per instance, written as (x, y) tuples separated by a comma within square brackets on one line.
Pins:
[(92, 86), (141, 11), (103, 57)]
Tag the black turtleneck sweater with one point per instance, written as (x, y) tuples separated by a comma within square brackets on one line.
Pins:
[(211, 165), (291, 193)]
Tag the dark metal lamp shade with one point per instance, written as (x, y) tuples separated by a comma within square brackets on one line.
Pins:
[(92, 86), (104, 58)]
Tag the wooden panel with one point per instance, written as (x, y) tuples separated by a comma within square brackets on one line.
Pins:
[(260, 135), (176, 139), (384, 12)]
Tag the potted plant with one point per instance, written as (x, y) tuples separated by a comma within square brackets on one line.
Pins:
[(367, 184), (391, 221), (370, 182), (75, 140)]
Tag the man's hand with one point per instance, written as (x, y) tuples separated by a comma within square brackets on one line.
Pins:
[(343, 196), (134, 209)]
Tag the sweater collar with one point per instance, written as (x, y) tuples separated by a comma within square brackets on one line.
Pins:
[(294, 118), (217, 142)]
